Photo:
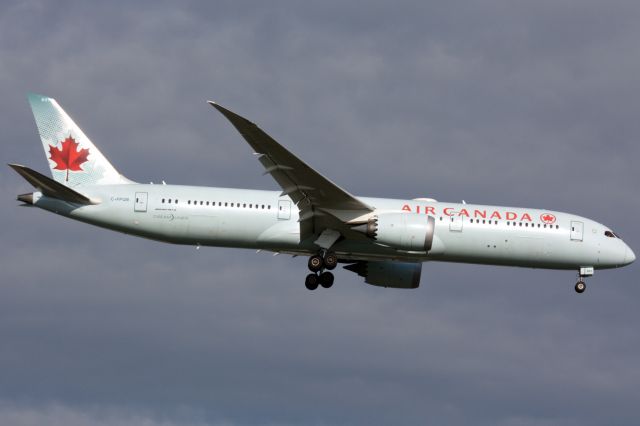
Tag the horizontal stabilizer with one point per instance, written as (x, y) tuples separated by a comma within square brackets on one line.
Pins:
[(50, 187)]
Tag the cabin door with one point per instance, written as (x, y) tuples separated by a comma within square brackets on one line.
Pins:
[(456, 223), (284, 210), (141, 202), (576, 231)]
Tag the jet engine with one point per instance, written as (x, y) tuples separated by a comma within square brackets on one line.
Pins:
[(388, 273), (400, 230)]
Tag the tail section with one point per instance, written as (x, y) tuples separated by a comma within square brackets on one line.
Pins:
[(73, 159)]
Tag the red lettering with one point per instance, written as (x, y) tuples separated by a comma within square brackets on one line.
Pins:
[(511, 215), (417, 209), (526, 217), (480, 213), (496, 215), (406, 208), (429, 210), (447, 211), (463, 212)]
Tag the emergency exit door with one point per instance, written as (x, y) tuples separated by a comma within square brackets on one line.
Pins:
[(577, 229), (140, 204)]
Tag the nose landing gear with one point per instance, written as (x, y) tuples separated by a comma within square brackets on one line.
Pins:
[(320, 265), (582, 274)]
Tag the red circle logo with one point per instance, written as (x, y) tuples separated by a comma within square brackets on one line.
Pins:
[(548, 218)]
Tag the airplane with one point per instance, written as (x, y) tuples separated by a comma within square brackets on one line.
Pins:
[(383, 240)]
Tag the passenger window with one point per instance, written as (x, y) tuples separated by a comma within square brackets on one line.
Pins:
[(169, 201), (225, 204), (163, 201), (207, 203)]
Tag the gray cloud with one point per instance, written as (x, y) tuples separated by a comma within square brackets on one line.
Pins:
[(528, 104)]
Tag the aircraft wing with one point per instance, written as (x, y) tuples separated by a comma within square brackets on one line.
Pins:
[(314, 194)]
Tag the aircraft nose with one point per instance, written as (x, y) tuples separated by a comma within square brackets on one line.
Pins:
[(629, 256)]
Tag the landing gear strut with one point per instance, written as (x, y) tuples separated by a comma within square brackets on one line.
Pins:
[(320, 265)]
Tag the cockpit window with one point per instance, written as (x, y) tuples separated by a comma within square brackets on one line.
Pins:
[(609, 234)]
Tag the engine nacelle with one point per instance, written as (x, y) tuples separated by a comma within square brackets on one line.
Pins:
[(400, 230), (388, 273)]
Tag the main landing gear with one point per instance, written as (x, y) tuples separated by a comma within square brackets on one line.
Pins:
[(317, 265), (582, 274)]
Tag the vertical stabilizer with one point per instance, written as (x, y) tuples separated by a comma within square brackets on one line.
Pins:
[(73, 159)]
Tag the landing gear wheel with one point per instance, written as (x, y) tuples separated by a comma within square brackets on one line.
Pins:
[(316, 263), (330, 261), (326, 279), (311, 282), (580, 287)]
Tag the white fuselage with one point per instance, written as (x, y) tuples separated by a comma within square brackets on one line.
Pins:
[(266, 220)]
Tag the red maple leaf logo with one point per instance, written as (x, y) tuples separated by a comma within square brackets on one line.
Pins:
[(69, 157), (547, 218)]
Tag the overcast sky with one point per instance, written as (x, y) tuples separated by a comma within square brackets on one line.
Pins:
[(532, 104)]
